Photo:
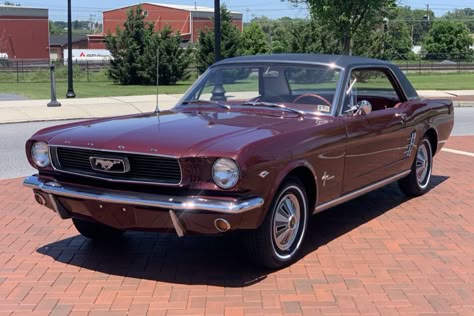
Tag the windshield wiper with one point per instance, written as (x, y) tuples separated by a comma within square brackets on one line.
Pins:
[(274, 105), (224, 106)]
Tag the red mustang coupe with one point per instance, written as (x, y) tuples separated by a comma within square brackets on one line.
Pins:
[(257, 144)]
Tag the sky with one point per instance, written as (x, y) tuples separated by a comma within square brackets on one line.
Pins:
[(92, 9)]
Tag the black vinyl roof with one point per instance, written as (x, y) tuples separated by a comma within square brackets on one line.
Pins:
[(342, 61)]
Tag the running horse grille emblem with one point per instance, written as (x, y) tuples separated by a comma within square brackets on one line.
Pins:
[(110, 165)]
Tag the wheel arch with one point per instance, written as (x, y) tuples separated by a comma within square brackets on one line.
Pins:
[(306, 173), (433, 138)]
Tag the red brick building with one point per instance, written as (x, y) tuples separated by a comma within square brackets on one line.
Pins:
[(188, 20), (24, 32), (58, 44)]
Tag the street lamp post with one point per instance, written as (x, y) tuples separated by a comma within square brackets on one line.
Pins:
[(217, 30), (70, 89)]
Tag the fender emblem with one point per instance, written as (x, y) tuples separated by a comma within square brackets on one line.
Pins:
[(326, 178), (263, 174)]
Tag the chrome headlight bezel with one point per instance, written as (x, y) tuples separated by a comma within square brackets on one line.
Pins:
[(225, 173), (40, 154)]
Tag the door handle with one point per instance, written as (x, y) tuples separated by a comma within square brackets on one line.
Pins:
[(402, 116)]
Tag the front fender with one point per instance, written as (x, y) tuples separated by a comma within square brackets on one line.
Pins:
[(280, 178)]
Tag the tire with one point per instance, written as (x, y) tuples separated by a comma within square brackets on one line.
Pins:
[(96, 231), (278, 241), (418, 181)]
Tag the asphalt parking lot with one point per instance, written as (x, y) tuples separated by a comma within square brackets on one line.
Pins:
[(379, 254)]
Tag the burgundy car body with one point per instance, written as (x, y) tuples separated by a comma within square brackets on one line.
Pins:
[(337, 156)]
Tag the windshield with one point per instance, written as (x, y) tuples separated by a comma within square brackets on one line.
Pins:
[(306, 88)]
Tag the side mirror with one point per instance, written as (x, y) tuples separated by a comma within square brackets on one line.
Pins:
[(362, 107), (365, 108)]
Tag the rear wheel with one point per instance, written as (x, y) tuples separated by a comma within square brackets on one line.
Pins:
[(95, 231), (417, 182), (277, 242)]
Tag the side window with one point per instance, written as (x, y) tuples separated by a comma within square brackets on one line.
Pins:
[(373, 86)]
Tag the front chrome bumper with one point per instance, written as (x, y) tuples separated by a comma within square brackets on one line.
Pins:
[(172, 203)]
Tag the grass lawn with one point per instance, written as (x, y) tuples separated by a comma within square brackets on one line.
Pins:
[(440, 81), (88, 89), (437, 81)]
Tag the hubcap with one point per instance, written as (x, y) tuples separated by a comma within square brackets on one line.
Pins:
[(286, 221), (422, 165)]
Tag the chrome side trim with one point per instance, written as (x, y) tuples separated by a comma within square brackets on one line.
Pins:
[(179, 203), (177, 224), (359, 192)]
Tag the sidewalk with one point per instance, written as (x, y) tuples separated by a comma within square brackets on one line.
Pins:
[(83, 108)]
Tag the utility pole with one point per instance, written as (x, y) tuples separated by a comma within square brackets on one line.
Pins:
[(217, 30), (70, 90)]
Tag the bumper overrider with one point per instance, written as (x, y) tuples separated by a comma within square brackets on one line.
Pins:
[(146, 211)]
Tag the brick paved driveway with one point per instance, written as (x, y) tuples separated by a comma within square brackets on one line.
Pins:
[(380, 254)]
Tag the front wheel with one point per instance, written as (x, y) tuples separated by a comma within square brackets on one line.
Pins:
[(277, 242), (95, 231), (417, 182)]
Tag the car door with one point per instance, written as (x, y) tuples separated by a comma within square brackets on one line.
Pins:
[(374, 138)]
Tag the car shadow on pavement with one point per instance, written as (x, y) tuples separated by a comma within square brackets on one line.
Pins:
[(208, 260)]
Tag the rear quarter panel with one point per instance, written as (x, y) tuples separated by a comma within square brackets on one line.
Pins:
[(426, 115)]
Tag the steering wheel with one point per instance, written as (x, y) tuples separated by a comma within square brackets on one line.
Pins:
[(317, 96)]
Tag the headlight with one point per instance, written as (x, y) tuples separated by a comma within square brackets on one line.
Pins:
[(39, 154), (225, 173)]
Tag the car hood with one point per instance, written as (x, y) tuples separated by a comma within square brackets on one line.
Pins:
[(175, 133)]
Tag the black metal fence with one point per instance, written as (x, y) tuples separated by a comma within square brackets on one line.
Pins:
[(439, 64), (37, 70)]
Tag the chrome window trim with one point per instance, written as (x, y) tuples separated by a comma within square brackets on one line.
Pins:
[(345, 78), (191, 89), (115, 180)]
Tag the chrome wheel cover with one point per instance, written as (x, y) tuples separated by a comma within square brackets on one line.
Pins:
[(288, 222), (423, 165)]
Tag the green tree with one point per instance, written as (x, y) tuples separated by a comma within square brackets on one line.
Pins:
[(448, 40), (465, 15), (397, 41), (277, 32), (55, 29), (419, 22), (230, 36), (311, 37), (345, 17), (368, 42), (174, 60), (389, 41), (134, 50), (253, 41), (287, 35)]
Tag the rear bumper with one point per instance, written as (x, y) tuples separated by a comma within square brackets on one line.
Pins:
[(131, 210)]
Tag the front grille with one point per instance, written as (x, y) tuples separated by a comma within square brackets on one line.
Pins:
[(143, 168)]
